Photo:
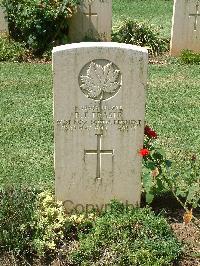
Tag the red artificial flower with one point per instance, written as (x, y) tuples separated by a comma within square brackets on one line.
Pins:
[(144, 152), (153, 134), (147, 129), (150, 133)]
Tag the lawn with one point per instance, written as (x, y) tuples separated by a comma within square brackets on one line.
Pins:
[(173, 106), (155, 12), (26, 133), (26, 124)]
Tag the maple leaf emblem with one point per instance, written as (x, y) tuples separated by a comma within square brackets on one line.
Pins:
[(101, 82)]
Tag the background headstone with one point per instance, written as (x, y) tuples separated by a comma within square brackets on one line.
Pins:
[(99, 108), (185, 26), (3, 22), (93, 20)]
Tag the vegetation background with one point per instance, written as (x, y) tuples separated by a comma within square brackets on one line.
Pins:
[(26, 118), (26, 105)]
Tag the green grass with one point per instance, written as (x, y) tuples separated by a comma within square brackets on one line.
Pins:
[(156, 12), (173, 107), (26, 132)]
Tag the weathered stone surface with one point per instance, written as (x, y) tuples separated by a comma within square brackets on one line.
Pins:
[(185, 26), (3, 22), (99, 107), (93, 20)]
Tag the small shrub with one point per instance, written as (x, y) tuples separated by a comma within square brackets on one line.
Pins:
[(189, 57), (124, 236), (34, 224), (17, 208), (11, 50), (154, 160), (30, 222), (39, 23), (138, 33), (49, 222)]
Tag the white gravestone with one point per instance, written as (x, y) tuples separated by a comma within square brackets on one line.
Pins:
[(93, 20), (99, 108), (3, 22), (185, 26)]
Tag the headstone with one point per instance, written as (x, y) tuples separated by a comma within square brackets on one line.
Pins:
[(92, 21), (3, 22), (99, 107), (186, 26)]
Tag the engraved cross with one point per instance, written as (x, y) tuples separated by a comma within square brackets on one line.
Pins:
[(90, 14), (98, 152), (196, 15)]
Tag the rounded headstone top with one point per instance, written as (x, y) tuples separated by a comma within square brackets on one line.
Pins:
[(100, 45)]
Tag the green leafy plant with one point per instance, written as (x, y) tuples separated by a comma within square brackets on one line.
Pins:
[(159, 175), (11, 50), (30, 222), (189, 57), (53, 228), (127, 236), (39, 23), (49, 221), (190, 188), (154, 159), (138, 33), (17, 208), (33, 223)]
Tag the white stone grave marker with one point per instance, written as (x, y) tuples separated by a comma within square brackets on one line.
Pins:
[(99, 107), (185, 26), (3, 22), (93, 20)]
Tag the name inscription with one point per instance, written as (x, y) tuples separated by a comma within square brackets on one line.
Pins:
[(94, 117)]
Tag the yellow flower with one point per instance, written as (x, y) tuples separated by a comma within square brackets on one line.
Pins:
[(91, 216), (73, 217), (80, 218)]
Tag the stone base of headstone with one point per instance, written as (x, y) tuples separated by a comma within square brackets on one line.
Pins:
[(185, 27), (91, 22)]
